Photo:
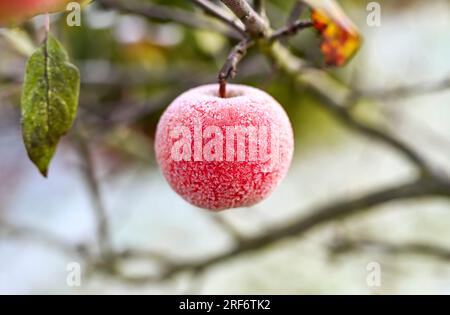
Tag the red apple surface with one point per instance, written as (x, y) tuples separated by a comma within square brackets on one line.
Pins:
[(220, 153)]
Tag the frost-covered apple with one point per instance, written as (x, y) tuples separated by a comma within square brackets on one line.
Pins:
[(220, 153)]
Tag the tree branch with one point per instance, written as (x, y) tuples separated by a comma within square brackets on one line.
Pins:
[(232, 231), (375, 133), (254, 23), (345, 245), (296, 12), (406, 91), (334, 97), (43, 237), (217, 12), (164, 14), (101, 216), (317, 216), (260, 8), (229, 69), (291, 29)]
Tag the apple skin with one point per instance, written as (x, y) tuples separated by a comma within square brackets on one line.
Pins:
[(16, 11), (222, 184)]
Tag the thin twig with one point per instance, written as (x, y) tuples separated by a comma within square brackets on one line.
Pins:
[(291, 29), (217, 12), (406, 91), (229, 69), (164, 14), (103, 232), (344, 245), (43, 237), (232, 231), (296, 12)]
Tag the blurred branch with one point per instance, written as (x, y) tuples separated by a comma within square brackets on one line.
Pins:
[(291, 29), (228, 227), (260, 8), (103, 232), (375, 133), (406, 91), (326, 88), (346, 245), (144, 254), (217, 12), (296, 12), (293, 24), (338, 209), (163, 14), (8, 230)]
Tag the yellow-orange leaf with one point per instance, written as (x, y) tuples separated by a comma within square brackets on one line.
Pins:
[(340, 37)]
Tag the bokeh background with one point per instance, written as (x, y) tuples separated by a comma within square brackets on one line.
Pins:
[(131, 70)]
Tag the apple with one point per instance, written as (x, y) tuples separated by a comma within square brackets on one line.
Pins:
[(17, 11), (220, 153)]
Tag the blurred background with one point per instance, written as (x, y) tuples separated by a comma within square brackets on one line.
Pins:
[(132, 68)]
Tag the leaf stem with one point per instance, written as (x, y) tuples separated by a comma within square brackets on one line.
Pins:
[(47, 24)]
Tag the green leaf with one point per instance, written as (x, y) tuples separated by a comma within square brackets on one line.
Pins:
[(49, 101)]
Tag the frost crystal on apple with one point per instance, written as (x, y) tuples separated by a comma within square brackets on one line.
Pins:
[(220, 153)]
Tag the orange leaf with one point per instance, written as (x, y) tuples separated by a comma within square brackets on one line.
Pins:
[(340, 37)]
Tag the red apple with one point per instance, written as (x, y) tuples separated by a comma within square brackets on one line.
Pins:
[(219, 153), (16, 11)]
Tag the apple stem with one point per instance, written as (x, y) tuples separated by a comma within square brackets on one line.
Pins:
[(47, 23), (223, 88)]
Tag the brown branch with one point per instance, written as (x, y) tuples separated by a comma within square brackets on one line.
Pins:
[(231, 230), (254, 23), (164, 14), (296, 12), (317, 216), (345, 245), (8, 230), (291, 29), (260, 8), (139, 254), (229, 69), (344, 115), (335, 99), (406, 91), (217, 12), (258, 27), (103, 232)]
